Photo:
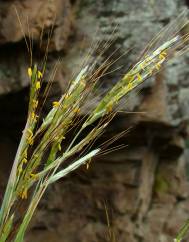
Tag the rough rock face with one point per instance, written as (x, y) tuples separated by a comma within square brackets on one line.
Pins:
[(35, 22), (144, 186), (28, 18)]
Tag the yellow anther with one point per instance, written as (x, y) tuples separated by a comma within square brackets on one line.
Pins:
[(39, 74), (130, 86), (35, 104), (34, 176), (30, 137), (30, 140), (76, 110), (24, 161), (158, 66), (139, 77), (38, 85), (162, 55), (24, 194), (34, 116), (56, 104), (30, 72)]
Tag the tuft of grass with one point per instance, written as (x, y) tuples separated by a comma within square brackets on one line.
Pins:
[(43, 150)]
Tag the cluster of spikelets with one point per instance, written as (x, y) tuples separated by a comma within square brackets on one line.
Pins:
[(40, 154)]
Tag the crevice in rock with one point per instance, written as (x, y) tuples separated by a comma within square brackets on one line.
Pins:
[(13, 106)]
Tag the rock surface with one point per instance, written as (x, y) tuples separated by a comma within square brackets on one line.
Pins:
[(145, 186)]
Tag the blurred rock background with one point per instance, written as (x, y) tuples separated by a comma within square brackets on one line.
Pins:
[(145, 186)]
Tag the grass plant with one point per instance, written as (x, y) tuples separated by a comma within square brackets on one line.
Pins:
[(43, 148)]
